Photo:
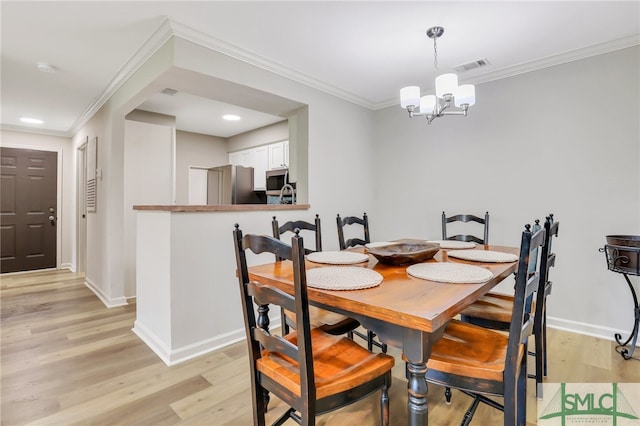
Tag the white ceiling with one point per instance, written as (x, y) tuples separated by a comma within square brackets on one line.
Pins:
[(362, 51)]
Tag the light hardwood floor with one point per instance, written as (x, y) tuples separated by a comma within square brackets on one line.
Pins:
[(66, 359)]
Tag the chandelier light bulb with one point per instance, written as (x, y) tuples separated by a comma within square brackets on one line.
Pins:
[(465, 95), (409, 96), (446, 84), (428, 104)]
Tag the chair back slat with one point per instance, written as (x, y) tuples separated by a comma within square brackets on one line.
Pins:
[(352, 220), (261, 244), (275, 343), (266, 295), (292, 225), (465, 218), (548, 258), (527, 330)]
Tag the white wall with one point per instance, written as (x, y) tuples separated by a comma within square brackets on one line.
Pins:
[(65, 256), (148, 179), (196, 150), (264, 135), (569, 132), (105, 273)]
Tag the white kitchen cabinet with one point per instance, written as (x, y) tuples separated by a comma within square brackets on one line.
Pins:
[(278, 155), (262, 158), (260, 164)]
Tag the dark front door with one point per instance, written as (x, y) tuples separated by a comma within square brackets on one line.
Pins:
[(28, 209)]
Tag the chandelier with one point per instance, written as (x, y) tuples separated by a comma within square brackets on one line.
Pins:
[(447, 90)]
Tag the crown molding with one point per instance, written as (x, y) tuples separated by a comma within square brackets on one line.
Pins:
[(550, 61), (160, 36), (35, 130), (205, 40), (170, 28), (561, 58)]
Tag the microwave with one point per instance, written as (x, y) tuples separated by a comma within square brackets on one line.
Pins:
[(276, 179)]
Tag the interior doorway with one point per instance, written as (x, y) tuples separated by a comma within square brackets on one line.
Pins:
[(28, 209)]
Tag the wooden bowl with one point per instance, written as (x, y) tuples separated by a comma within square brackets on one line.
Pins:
[(405, 253)]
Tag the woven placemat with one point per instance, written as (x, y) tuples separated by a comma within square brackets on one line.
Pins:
[(453, 244), (342, 278), (456, 273), (483, 256), (337, 257)]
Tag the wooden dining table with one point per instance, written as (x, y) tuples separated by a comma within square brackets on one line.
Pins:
[(406, 312)]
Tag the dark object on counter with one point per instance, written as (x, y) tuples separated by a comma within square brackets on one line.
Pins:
[(404, 253), (623, 256)]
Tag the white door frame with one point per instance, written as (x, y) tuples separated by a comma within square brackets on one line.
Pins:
[(81, 212)]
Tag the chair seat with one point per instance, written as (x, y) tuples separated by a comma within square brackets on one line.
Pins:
[(319, 317), (339, 364), (492, 306), (472, 351)]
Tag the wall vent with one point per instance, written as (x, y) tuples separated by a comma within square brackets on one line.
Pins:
[(482, 62), (169, 92)]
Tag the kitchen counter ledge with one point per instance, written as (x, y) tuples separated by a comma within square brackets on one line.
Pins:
[(223, 207)]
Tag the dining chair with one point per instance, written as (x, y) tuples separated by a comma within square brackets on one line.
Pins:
[(344, 244), (465, 218), (352, 220), (482, 362), (331, 322), (493, 310), (292, 225), (313, 372)]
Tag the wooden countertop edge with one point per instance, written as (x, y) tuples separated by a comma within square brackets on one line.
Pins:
[(224, 208)]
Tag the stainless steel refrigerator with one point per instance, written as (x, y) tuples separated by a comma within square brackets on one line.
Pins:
[(230, 185)]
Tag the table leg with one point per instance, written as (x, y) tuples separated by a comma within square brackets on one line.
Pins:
[(416, 348), (417, 388), (628, 353)]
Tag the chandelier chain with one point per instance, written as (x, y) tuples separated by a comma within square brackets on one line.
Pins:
[(435, 57)]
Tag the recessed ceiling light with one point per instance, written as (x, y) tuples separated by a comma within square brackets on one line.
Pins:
[(30, 120), (231, 117)]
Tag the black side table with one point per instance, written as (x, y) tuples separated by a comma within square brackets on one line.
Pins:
[(625, 260)]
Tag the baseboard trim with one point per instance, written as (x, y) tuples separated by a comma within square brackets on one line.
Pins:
[(606, 333), (108, 302), (152, 341), (179, 355), (194, 350)]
